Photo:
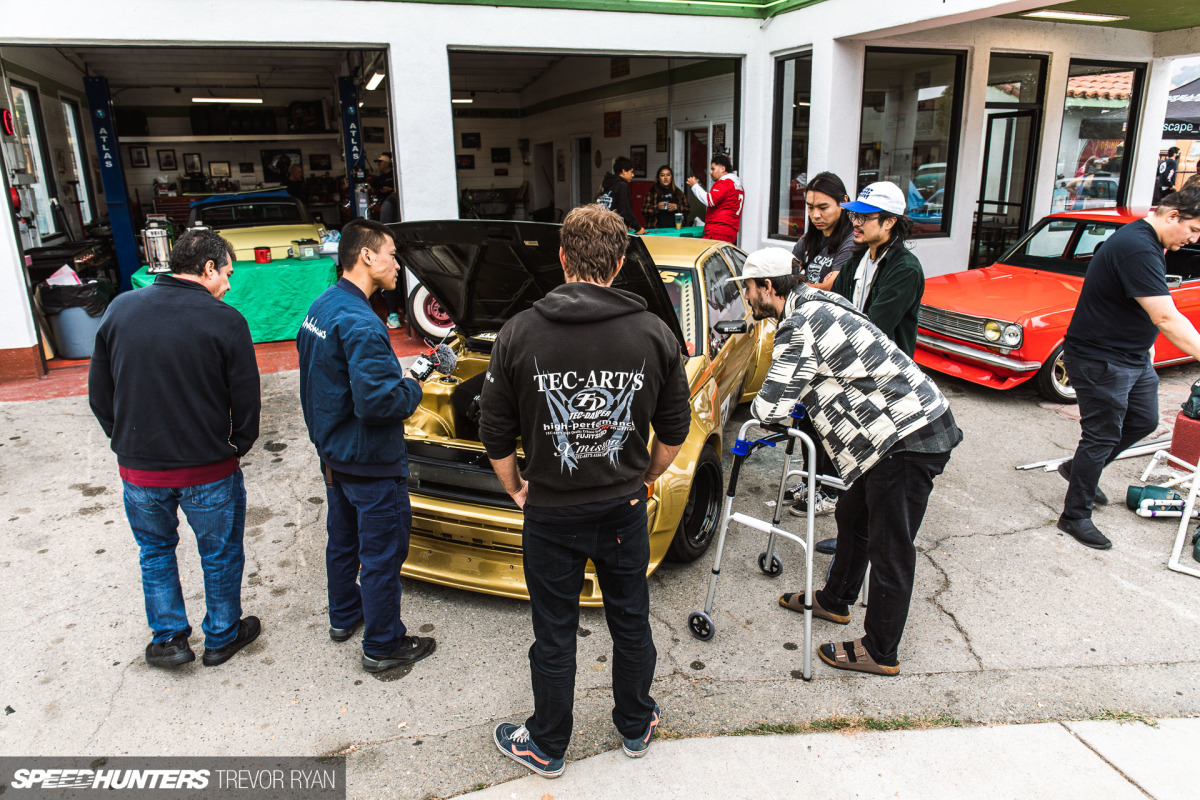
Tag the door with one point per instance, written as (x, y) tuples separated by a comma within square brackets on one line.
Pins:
[(1002, 213), (696, 154), (543, 180), (729, 354), (584, 192)]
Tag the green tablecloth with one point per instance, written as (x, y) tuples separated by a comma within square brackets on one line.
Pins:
[(694, 232), (272, 297)]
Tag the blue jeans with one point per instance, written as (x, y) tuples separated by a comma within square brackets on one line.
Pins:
[(369, 523), (1118, 405), (217, 513)]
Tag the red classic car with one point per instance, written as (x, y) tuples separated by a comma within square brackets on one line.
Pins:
[(1003, 325)]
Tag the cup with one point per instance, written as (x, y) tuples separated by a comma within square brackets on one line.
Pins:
[(678, 222)]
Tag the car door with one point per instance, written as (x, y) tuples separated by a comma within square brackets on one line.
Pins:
[(729, 354), (1183, 276)]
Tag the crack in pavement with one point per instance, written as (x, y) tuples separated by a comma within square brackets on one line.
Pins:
[(1101, 756), (935, 599), (111, 705)]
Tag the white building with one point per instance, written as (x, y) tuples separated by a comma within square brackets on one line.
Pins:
[(989, 118)]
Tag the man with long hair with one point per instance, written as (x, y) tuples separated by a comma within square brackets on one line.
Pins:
[(828, 241)]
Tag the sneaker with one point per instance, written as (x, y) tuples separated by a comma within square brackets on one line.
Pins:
[(826, 505), (636, 748), (344, 634), (1085, 532), (393, 321), (171, 653), (514, 742), (248, 630), (410, 650)]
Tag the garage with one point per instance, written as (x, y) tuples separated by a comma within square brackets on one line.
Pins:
[(111, 152)]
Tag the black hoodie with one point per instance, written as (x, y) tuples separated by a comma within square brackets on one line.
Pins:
[(581, 378), (622, 202)]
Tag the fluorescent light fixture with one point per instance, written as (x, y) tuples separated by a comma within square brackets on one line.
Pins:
[(461, 100), (800, 103), (360, 103), (374, 82), (1073, 16), (251, 100)]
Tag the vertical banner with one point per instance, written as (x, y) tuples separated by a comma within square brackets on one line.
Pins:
[(352, 135), (113, 178)]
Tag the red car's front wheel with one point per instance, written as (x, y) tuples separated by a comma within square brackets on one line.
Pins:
[(1052, 381)]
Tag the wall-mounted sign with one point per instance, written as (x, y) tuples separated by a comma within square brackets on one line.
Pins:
[(6, 123)]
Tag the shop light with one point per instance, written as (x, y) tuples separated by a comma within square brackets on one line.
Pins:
[(250, 100), (376, 79), (462, 100), (1073, 16)]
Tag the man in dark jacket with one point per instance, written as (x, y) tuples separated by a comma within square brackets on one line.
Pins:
[(614, 192), (355, 399), (581, 378), (174, 384), (883, 279)]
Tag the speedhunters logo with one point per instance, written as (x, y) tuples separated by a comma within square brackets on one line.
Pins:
[(165, 777)]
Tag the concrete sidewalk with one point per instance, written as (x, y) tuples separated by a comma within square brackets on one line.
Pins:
[(1086, 760)]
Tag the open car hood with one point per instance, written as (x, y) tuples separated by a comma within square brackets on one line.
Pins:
[(484, 272)]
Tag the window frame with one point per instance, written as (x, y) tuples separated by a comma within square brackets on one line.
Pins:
[(777, 141), (954, 136), (46, 176), (71, 106)]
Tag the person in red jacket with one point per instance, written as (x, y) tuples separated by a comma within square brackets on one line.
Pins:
[(724, 200)]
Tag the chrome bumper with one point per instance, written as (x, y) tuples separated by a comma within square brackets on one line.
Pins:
[(984, 357)]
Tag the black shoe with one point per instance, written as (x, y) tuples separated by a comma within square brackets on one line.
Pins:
[(248, 630), (343, 634), (826, 546), (1085, 532), (410, 650), (170, 653), (1101, 498)]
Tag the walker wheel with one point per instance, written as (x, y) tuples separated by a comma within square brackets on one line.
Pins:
[(776, 568), (701, 625)]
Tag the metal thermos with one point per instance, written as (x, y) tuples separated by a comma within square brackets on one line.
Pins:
[(157, 241)]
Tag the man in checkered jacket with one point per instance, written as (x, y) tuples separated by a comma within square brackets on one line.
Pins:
[(885, 424)]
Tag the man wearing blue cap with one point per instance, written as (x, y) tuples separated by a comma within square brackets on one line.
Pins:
[(888, 282)]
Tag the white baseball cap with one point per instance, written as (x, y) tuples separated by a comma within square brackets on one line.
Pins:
[(770, 262), (881, 196)]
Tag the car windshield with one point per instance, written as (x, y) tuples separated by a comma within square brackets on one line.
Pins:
[(1060, 245), (681, 288), (248, 215)]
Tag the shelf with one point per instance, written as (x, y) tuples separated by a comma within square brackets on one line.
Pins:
[(279, 137)]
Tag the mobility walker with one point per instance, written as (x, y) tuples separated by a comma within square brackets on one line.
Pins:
[(700, 623)]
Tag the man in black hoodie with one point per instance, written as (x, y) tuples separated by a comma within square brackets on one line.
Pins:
[(614, 192), (581, 378)]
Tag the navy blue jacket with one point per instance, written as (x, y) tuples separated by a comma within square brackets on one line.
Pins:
[(352, 390)]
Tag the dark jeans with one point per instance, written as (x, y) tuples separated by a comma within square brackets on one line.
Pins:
[(217, 513), (369, 524), (1118, 406), (877, 522), (618, 544)]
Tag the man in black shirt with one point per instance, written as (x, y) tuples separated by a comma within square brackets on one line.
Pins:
[(1164, 181), (1123, 306), (581, 378)]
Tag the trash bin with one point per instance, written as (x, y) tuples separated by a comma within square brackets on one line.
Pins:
[(75, 312)]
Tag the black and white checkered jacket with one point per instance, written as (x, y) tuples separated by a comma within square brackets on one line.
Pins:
[(861, 392)]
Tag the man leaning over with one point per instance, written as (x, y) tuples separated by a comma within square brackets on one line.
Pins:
[(581, 378), (355, 399)]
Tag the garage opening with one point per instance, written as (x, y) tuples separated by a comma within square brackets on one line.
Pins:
[(535, 133), (115, 151)]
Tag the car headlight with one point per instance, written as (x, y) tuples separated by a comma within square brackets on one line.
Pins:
[(992, 330), (1012, 336)]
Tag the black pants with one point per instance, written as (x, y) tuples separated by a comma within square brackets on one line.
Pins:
[(555, 555), (1118, 406), (877, 521)]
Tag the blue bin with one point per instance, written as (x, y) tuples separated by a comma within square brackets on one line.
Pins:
[(74, 332)]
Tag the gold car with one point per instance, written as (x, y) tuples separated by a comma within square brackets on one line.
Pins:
[(466, 531), (272, 219)]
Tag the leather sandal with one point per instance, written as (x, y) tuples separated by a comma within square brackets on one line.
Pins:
[(854, 657), (794, 601)]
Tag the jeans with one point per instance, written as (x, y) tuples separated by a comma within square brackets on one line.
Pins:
[(1118, 406), (217, 513), (618, 543), (877, 521), (369, 524)]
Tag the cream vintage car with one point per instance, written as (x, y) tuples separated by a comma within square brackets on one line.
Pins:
[(466, 531)]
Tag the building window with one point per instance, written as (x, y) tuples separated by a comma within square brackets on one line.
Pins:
[(789, 169), (912, 108), (1097, 131), (82, 188), (28, 116)]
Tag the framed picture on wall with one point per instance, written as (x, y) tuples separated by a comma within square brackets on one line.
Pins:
[(637, 154), (373, 134), (612, 124), (218, 169), (320, 162), (472, 141), (501, 155), (166, 160), (246, 167), (560, 165), (465, 161), (139, 157), (661, 140), (192, 164), (500, 171)]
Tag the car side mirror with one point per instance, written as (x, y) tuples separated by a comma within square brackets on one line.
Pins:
[(731, 326)]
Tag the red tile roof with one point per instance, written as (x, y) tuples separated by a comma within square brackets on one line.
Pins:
[(1109, 86)]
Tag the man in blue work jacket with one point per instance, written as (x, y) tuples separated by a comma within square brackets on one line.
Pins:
[(355, 399)]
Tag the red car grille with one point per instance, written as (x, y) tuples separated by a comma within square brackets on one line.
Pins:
[(952, 324)]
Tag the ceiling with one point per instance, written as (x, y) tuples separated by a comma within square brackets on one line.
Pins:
[(497, 72), (1154, 16)]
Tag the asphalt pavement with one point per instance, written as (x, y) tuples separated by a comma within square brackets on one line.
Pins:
[(1011, 622)]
